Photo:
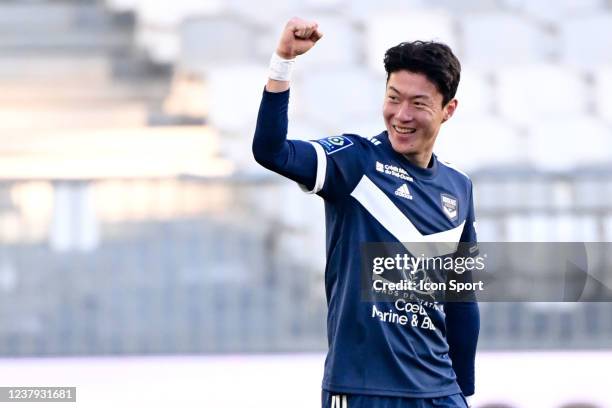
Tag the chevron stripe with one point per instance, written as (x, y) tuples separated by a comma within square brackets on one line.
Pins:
[(380, 206)]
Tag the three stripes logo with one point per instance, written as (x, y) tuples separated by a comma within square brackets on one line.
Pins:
[(339, 401), (403, 191)]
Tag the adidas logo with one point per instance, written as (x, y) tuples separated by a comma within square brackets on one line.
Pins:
[(403, 191)]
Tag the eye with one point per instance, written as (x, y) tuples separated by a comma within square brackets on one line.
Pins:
[(393, 98)]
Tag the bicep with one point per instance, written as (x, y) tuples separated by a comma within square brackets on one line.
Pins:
[(297, 160)]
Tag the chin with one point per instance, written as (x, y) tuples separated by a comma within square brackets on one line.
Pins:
[(402, 148)]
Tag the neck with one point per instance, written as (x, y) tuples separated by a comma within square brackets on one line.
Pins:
[(419, 159)]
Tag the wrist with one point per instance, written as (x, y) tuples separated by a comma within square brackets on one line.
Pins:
[(280, 68), (284, 54)]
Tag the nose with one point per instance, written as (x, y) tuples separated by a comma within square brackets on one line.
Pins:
[(404, 113)]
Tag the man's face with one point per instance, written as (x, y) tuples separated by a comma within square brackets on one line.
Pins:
[(413, 113)]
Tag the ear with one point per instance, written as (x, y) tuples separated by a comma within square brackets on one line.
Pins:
[(449, 109)]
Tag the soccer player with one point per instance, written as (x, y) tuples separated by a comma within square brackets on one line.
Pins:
[(386, 188)]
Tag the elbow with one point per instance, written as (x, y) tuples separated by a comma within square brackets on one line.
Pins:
[(262, 156), (259, 154)]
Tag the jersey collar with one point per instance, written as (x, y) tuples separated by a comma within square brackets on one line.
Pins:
[(427, 173)]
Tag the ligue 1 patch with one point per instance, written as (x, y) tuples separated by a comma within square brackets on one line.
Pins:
[(449, 206), (334, 144)]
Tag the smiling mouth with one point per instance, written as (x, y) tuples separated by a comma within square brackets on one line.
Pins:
[(404, 130)]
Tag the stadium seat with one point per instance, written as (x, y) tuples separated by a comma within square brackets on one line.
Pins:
[(577, 228), (234, 93), (325, 4), (366, 127), (74, 225), (530, 191), (267, 13), (480, 142), (362, 10), (340, 47), (534, 228), (589, 192), (201, 48), (347, 100), (493, 39), (529, 93), (475, 94), (488, 229), (486, 194), (607, 229), (564, 145), (334, 99), (555, 11), (586, 41), (164, 14), (124, 114), (162, 45), (552, 228), (158, 25), (386, 29), (465, 6), (123, 5), (508, 192), (603, 93), (298, 210), (304, 130)]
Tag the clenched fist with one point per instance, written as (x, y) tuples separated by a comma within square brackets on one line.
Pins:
[(297, 38)]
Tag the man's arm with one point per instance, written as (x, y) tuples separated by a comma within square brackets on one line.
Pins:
[(298, 37), (463, 318), (296, 160), (462, 328)]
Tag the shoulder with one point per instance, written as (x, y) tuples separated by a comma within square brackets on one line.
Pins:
[(366, 140), (454, 171), (348, 143)]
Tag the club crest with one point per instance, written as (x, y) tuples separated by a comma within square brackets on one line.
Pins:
[(449, 206)]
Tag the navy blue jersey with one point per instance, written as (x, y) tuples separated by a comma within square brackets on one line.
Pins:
[(374, 194)]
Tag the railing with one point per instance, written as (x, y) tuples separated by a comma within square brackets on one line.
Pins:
[(236, 265)]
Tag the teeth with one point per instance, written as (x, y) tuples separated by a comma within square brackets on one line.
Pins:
[(404, 129)]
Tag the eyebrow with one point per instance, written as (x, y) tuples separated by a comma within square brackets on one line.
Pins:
[(412, 97)]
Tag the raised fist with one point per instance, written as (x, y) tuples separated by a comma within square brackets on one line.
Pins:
[(298, 37)]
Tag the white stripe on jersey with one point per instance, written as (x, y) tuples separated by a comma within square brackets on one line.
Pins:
[(321, 170), (380, 206)]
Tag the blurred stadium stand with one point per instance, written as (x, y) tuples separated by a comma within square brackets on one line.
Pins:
[(133, 219)]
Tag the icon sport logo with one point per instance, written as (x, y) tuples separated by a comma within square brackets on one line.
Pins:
[(403, 191), (449, 206)]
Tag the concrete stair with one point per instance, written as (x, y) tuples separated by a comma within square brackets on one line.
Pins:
[(70, 64)]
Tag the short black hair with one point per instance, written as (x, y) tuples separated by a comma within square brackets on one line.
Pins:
[(433, 59)]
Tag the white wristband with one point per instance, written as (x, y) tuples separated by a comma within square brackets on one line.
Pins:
[(280, 68), (469, 400)]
